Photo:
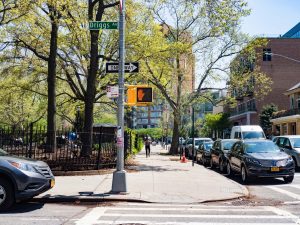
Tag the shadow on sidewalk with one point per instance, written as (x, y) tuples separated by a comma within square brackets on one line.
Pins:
[(144, 167)]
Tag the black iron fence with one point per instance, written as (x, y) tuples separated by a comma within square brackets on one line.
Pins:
[(31, 142)]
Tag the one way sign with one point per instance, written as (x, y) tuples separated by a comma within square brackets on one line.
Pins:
[(112, 67)]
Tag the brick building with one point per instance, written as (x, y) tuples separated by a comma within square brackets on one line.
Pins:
[(279, 65)]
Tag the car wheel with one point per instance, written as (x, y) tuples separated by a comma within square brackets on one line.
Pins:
[(221, 166), (288, 179), (204, 161), (244, 175), (7, 198), (212, 166), (228, 169)]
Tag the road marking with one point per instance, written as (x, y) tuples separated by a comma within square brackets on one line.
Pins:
[(282, 191), (156, 215), (187, 209), (91, 217), (152, 205), (284, 213), (183, 223), (291, 203)]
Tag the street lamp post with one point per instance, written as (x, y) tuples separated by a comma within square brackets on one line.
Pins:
[(119, 176), (193, 135), (283, 56)]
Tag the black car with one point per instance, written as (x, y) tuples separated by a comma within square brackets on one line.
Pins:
[(219, 152), (203, 153), (22, 178), (260, 158)]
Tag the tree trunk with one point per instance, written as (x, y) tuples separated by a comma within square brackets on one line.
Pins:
[(91, 84), (51, 116), (175, 137)]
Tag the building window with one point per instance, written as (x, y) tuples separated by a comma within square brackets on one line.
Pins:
[(292, 102), (267, 54)]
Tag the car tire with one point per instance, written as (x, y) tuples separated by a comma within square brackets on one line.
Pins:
[(288, 179), (228, 170), (212, 166), (7, 198), (221, 166), (244, 175), (204, 161)]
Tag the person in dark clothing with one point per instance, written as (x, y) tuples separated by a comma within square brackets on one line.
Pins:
[(147, 147)]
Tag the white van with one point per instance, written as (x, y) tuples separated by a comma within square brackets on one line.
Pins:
[(247, 132)]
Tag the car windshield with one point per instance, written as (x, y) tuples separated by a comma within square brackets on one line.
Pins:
[(3, 153), (295, 142), (261, 147), (199, 142), (208, 146), (227, 145), (253, 134)]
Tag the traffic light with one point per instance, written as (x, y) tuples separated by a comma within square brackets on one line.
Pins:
[(139, 95)]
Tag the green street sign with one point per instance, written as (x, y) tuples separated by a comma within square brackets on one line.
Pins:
[(103, 25)]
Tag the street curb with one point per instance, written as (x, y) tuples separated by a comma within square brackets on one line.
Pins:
[(95, 200)]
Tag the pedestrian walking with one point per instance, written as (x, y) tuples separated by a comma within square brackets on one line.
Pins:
[(147, 147)]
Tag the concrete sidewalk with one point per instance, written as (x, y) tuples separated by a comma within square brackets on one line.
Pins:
[(159, 178)]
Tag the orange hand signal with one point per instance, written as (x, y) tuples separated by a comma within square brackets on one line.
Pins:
[(140, 95)]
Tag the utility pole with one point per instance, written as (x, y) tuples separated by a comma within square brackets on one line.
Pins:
[(119, 177), (193, 135)]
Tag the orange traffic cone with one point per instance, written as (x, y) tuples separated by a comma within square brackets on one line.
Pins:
[(183, 159)]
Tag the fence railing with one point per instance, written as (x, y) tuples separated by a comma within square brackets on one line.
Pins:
[(31, 142)]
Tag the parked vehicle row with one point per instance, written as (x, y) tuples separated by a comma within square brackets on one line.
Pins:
[(252, 158)]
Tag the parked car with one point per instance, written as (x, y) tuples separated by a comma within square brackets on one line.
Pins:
[(203, 153), (22, 178), (247, 132), (259, 158), (197, 143), (219, 152), (290, 144), (188, 144)]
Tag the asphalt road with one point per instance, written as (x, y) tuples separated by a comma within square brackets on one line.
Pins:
[(142, 213), (270, 202)]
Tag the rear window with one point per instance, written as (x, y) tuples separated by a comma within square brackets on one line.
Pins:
[(208, 145), (228, 145), (253, 134), (295, 142)]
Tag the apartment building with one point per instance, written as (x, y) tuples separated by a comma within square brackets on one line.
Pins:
[(279, 61)]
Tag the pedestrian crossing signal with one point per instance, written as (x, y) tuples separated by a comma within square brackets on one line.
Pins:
[(144, 95), (139, 95)]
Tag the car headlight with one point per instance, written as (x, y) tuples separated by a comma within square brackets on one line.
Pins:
[(289, 160), (23, 166), (253, 161)]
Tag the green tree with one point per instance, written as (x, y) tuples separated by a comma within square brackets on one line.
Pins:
[(214, 124), (204, 31), (265, 116)]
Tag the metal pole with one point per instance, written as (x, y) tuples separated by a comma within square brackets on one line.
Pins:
[(119, 176), (193, 135)]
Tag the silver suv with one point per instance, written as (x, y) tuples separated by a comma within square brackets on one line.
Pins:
[(21, 179), (291, 145)]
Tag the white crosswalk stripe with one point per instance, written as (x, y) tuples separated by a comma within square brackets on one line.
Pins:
[(284, 189), (160, 214)]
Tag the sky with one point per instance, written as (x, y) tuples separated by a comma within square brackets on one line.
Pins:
[(271, 17)]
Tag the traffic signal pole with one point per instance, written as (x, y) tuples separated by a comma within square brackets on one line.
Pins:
[(119, 176)]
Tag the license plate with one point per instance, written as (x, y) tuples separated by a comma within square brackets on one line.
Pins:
[(274, 169), (52, 183)]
